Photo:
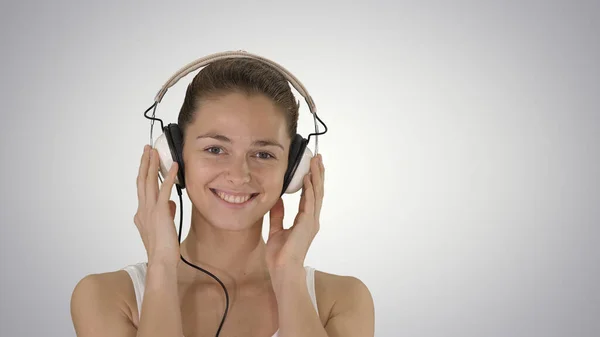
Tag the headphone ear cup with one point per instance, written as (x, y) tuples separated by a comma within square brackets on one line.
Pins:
[(170, 149), (298, 165), (161, 145), (303, 169)]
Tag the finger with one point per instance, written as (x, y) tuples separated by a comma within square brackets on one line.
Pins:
[(309, 197), (316, 177), (276, 217), (322, 166), (319, 186), (152, 178), (302, 203), (167, 186), (141, 178)]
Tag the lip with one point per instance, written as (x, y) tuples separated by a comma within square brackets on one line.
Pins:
[(233, 193), (230, 205)]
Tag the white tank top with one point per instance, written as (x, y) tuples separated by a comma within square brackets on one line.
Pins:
[(137, 272)]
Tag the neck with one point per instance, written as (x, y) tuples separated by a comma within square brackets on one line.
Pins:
[(234, 256)]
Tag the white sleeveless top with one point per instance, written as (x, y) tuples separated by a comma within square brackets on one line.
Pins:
[(137, 272)]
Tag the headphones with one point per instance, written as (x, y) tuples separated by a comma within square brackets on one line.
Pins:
[(169, 144)]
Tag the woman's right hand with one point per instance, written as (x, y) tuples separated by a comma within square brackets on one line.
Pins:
[(155, 214)]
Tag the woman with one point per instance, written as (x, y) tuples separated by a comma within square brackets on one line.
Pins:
[(237, 121)]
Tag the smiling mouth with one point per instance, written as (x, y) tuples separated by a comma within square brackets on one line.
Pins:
[(232, 199)]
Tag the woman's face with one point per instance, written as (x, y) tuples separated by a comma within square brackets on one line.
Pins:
[(235, 157)]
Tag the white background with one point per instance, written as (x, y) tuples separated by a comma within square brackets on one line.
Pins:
[(462, 155)]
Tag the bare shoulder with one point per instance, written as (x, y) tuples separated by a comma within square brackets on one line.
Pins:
[(104, 304), (346, 305)]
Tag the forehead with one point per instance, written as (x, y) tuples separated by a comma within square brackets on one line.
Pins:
[(238, 114)]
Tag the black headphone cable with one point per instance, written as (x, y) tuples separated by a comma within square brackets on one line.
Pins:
[(199, 268)]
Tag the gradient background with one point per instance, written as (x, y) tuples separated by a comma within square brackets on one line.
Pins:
[(462, 153)]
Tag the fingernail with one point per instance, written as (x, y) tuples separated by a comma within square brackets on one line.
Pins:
[(320, 159)]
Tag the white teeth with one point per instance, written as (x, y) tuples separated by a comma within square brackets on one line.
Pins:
[(233, 199)]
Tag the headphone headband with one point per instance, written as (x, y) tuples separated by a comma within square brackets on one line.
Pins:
[(230, 55)]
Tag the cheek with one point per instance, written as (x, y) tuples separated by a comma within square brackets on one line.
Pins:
[(198, 170), (268, 178), (198, 173)]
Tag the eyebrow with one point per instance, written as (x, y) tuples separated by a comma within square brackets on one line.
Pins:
[(259, 143)]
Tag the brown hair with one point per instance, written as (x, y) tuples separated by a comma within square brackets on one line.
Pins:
[(243, 75)]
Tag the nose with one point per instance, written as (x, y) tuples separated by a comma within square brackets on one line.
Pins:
[(238, 172)]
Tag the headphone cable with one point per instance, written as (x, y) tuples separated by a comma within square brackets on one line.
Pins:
[(199, 268)]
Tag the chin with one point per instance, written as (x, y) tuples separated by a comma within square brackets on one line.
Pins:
[(233, 225)]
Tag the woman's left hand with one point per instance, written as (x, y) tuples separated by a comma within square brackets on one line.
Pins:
[(288, 247)]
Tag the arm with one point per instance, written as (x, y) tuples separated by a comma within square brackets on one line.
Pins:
[(161, 313), (96, 308), (352, 314), (297, 315)]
